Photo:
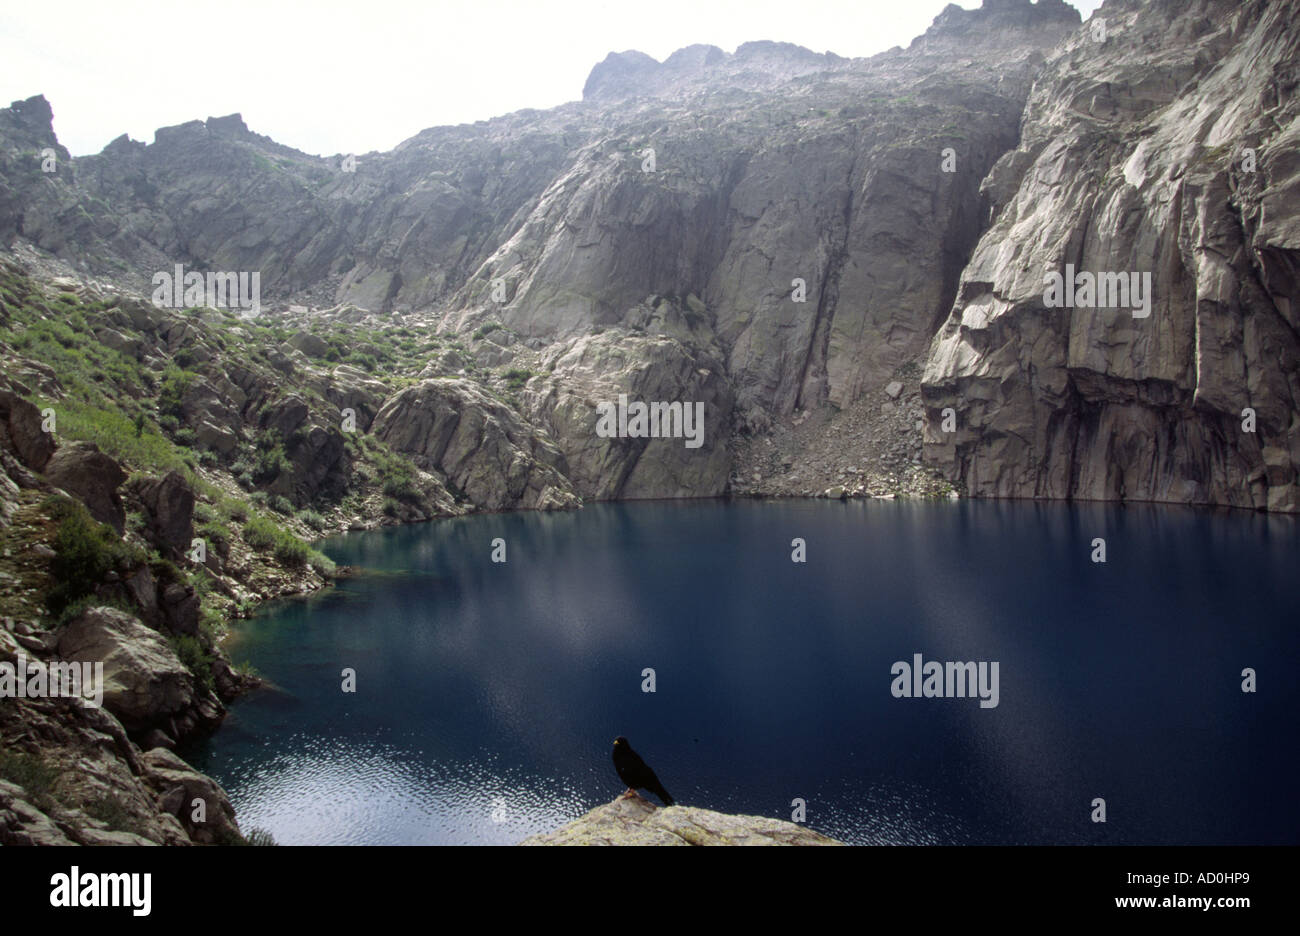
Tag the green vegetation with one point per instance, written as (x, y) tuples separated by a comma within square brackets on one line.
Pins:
[(197, 659), (32, 774), (313, 520), (85, 552), (109, 810), (395, 474), (270, 460), (516, 377), (265, 535), (73, 609)]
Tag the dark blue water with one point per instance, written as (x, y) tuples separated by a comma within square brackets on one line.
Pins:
[(488, 695)]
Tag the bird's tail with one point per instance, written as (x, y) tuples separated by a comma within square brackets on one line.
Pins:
[(659, 791)]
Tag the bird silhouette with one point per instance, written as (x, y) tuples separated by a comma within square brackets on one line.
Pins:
[(633, 771)]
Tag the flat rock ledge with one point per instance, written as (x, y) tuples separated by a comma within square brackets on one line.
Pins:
[(633, 820)]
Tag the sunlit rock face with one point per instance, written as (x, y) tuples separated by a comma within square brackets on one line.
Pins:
[(1163, 145), (633, 820), (808, 230)]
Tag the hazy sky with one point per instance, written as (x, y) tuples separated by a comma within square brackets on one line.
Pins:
[(333, 77)]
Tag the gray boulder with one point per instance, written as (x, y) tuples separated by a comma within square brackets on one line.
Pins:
[(633, 820), (85, 472)]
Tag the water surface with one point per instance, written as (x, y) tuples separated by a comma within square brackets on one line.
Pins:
[(488, 694)]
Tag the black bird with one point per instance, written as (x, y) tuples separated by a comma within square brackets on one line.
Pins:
[(633, 771)]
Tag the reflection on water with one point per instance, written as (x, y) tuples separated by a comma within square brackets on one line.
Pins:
[(488, 694)]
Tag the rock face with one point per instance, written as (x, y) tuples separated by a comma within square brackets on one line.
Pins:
[(480, 445), (168, 505), (178, 786), (633, 820), (81, 469), (85, 782), (145, 685), (20, 431), (1134, 158), (646, 368), (812, 231)]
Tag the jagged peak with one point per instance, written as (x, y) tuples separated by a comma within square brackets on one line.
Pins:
[(34, 117), (699, 55), (232, 125), (766, 49), (995, 18), (626, 73), (617, 73)]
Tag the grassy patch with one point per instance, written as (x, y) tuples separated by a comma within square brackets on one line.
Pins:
[(85, 552), (110, 811), (32, 774)]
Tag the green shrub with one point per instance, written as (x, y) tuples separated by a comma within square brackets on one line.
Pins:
[(32, 774), (322, 563), (281, 505), (212, 624), (313, 519), (176, 383), (190, 651), (291, 551), (516, 377), (260, 533), (259, 838), (217, 535), (270, 463), (402, 489), (109, 810), (75, 608), (167, 573), (391, 507), (486, 330), (85, 552)]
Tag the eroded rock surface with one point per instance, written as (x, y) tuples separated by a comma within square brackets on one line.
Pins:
[(633, 820)]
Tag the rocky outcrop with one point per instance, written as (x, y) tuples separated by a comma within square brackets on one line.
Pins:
[(82, 470), (168, 507), (183, 792), (70, 774), (145, 686), (1162, 147), (477, 443), (633, 820), (21, 432), (642, 367)]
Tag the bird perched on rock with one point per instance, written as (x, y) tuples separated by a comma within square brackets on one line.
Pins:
[(633, 771)]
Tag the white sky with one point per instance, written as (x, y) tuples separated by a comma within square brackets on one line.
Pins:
[(331, 77)]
